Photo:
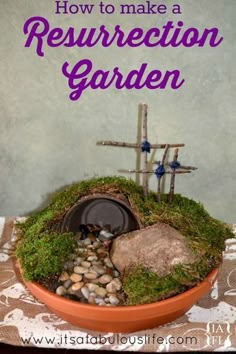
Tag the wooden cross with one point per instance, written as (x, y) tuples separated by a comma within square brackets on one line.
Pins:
[(145, 147)]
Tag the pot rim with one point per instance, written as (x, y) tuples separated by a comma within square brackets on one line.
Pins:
[(208, 280)]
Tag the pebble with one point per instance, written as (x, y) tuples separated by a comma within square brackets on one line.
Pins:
[(111, 287), (67, 283), (99, 269), (101, 250), (92, 270), (87, 242), (116, 273), (96, 262), (69, 265), (90, 253), (61, 290), (100, 292), (92, 258), (108, 262), (85, 264), (113, 300), (99, 301), (76, 277), (117, 283), (91, 299), (90, 275), (85, 292), (77, 286), (78, 260), (104, 279), (96, 244), (80, 270), (91, 286), (64, 276), (92, 237)]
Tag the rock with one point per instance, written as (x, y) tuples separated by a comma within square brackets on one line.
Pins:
[(96, 244), (87, 242), (111, 287), (104, 279), (117, 283), (90, 253), (69, 265), (113, 300), (105, 235), (92, 270), (99, 269), (61, 290), (109, 271), (116, 273), (92, 258), (158, 247), (85, 264), (96, 262), (77, 286), (67, 283), (91, 299), (99, 301), (85, 292), (78, 260), (75, 277), (90, 275), (102, 250), (64, 276), (91, 286), (101, 292), (108, 262), (80, 270)]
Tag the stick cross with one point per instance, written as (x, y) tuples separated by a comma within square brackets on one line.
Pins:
[(145, 148)]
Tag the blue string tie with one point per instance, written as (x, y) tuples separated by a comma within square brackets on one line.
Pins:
[(174, 165), (146, 146), (160, 171)]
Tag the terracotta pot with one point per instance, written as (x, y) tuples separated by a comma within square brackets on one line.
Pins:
[(122, 318)]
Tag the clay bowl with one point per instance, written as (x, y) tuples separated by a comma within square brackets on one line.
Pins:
[(122, 318)]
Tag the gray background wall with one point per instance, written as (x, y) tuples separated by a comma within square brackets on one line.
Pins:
[(47, 141)]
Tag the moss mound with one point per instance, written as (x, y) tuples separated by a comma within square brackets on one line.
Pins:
[(43, 248)]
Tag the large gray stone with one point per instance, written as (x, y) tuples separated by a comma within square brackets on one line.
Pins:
[(158, 247)]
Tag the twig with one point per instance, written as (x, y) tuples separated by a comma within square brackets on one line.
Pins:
[(181, 167), (172, 179), (143, 108), (134, 145), (159, 179), (151, 172)]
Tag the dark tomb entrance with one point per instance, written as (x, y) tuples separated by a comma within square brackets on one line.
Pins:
[(102, 209)]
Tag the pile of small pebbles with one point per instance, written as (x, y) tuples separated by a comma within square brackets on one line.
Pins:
[(89, 275)]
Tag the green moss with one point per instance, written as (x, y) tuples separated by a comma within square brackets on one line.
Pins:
[(143, 286), (43, 248), (44, 255)]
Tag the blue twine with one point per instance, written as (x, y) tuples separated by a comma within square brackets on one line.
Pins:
[(174, 165), (160, 171), (146, 146)]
